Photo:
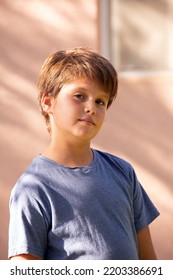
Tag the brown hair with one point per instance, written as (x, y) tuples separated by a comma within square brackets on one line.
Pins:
[(67, 65)]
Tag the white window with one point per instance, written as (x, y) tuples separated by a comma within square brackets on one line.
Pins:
[(140, 34)]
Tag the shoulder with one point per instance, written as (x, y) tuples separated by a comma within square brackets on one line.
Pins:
[(113, 160), (33, 179), (118, 165)]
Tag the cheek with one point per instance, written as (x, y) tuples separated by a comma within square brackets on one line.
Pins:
[(101, 120), (102, 115), (66, 111)]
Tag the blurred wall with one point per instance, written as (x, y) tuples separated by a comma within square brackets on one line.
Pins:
[(138, 125)]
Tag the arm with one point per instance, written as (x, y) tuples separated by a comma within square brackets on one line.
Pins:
[(28, 239), (24, 257), (145, 246)]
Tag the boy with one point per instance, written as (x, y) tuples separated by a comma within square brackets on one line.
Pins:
[(74, 202)]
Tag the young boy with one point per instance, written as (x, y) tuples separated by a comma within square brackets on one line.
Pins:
[(74, 202)]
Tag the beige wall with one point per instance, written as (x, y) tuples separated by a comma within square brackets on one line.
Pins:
[(138, 126)]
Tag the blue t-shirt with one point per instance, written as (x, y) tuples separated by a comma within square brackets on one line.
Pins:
[(91, 212)]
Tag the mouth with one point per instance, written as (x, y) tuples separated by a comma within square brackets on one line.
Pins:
[(87, 121)]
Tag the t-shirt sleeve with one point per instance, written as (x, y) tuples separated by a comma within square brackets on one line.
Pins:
[(144, 209), (28, 226)]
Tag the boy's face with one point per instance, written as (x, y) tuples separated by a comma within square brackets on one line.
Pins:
[(78, 111)]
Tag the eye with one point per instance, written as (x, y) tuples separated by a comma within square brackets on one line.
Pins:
[(100, 102), (79, 96)]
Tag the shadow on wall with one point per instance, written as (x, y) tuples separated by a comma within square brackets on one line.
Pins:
[(28, 37)]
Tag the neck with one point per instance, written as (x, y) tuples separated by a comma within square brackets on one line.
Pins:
[(69, 154)]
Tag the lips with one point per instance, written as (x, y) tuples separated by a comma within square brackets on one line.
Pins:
[(87, 121)]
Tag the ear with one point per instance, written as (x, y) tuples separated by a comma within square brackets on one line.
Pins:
[(46, 103)]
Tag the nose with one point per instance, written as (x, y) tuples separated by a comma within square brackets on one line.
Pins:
[(90, 108)]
